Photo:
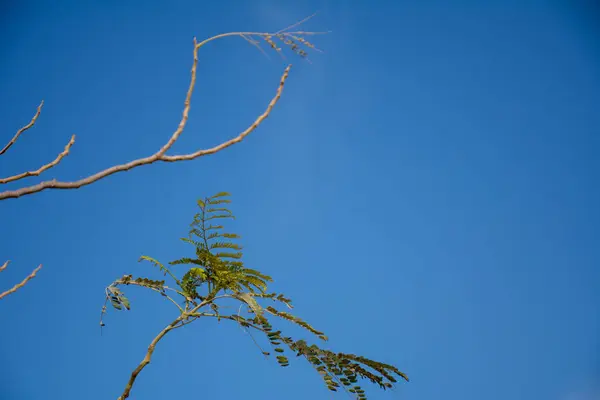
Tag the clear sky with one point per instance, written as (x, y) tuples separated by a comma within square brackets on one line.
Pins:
[(426, 192)]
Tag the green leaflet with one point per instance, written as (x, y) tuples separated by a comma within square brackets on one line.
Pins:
[(118, 299), (225, 245), (220, 201), (213, 227), (186, 260), (148, 283), (297, 321), (223, 235), (218, 209), (125, 302), (192, 242), (218, 216), (191, 280), (153, 261), (220, 194)]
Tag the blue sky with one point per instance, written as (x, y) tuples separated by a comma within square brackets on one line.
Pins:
[(426, 192)]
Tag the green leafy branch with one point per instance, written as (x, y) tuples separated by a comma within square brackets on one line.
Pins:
[(216, 272)]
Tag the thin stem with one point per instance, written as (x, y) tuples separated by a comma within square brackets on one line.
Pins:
[(203, 221), (250, 324), (297, 23), (44, 167), (23, 129), (21, 284)]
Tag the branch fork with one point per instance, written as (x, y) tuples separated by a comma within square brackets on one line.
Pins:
[(291, 39)]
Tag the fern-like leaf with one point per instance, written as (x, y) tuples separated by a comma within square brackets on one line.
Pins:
[(185, 261), (297, 321), (160, 266), (224, 245)]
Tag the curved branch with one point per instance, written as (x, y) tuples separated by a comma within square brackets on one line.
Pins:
[(151, 347), (18, 285), (160, 154), (147, 358), (242, 135), (23, 129), (43, 168)]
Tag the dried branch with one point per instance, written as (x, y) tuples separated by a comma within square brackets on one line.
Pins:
[(241, 136), (18, 285), (161, 155), (23, 129), (42, 168)]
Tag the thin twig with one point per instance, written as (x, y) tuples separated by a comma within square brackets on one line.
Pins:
[(23, 129), (43, 168), (185, 322), (243, 328), (159, 292), (3, 267), (257, 45), (297, 23), (19, 285), (250, 324)]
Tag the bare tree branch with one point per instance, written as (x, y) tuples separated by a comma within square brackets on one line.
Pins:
[(23, 129), (242, 135), (42, 168), (18, 285), (160, 155)]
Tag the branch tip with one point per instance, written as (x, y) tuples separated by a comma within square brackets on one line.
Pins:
[(22, 283), (23, 129)]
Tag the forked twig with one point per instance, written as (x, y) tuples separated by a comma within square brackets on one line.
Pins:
[(43, 168), (160, 155)]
